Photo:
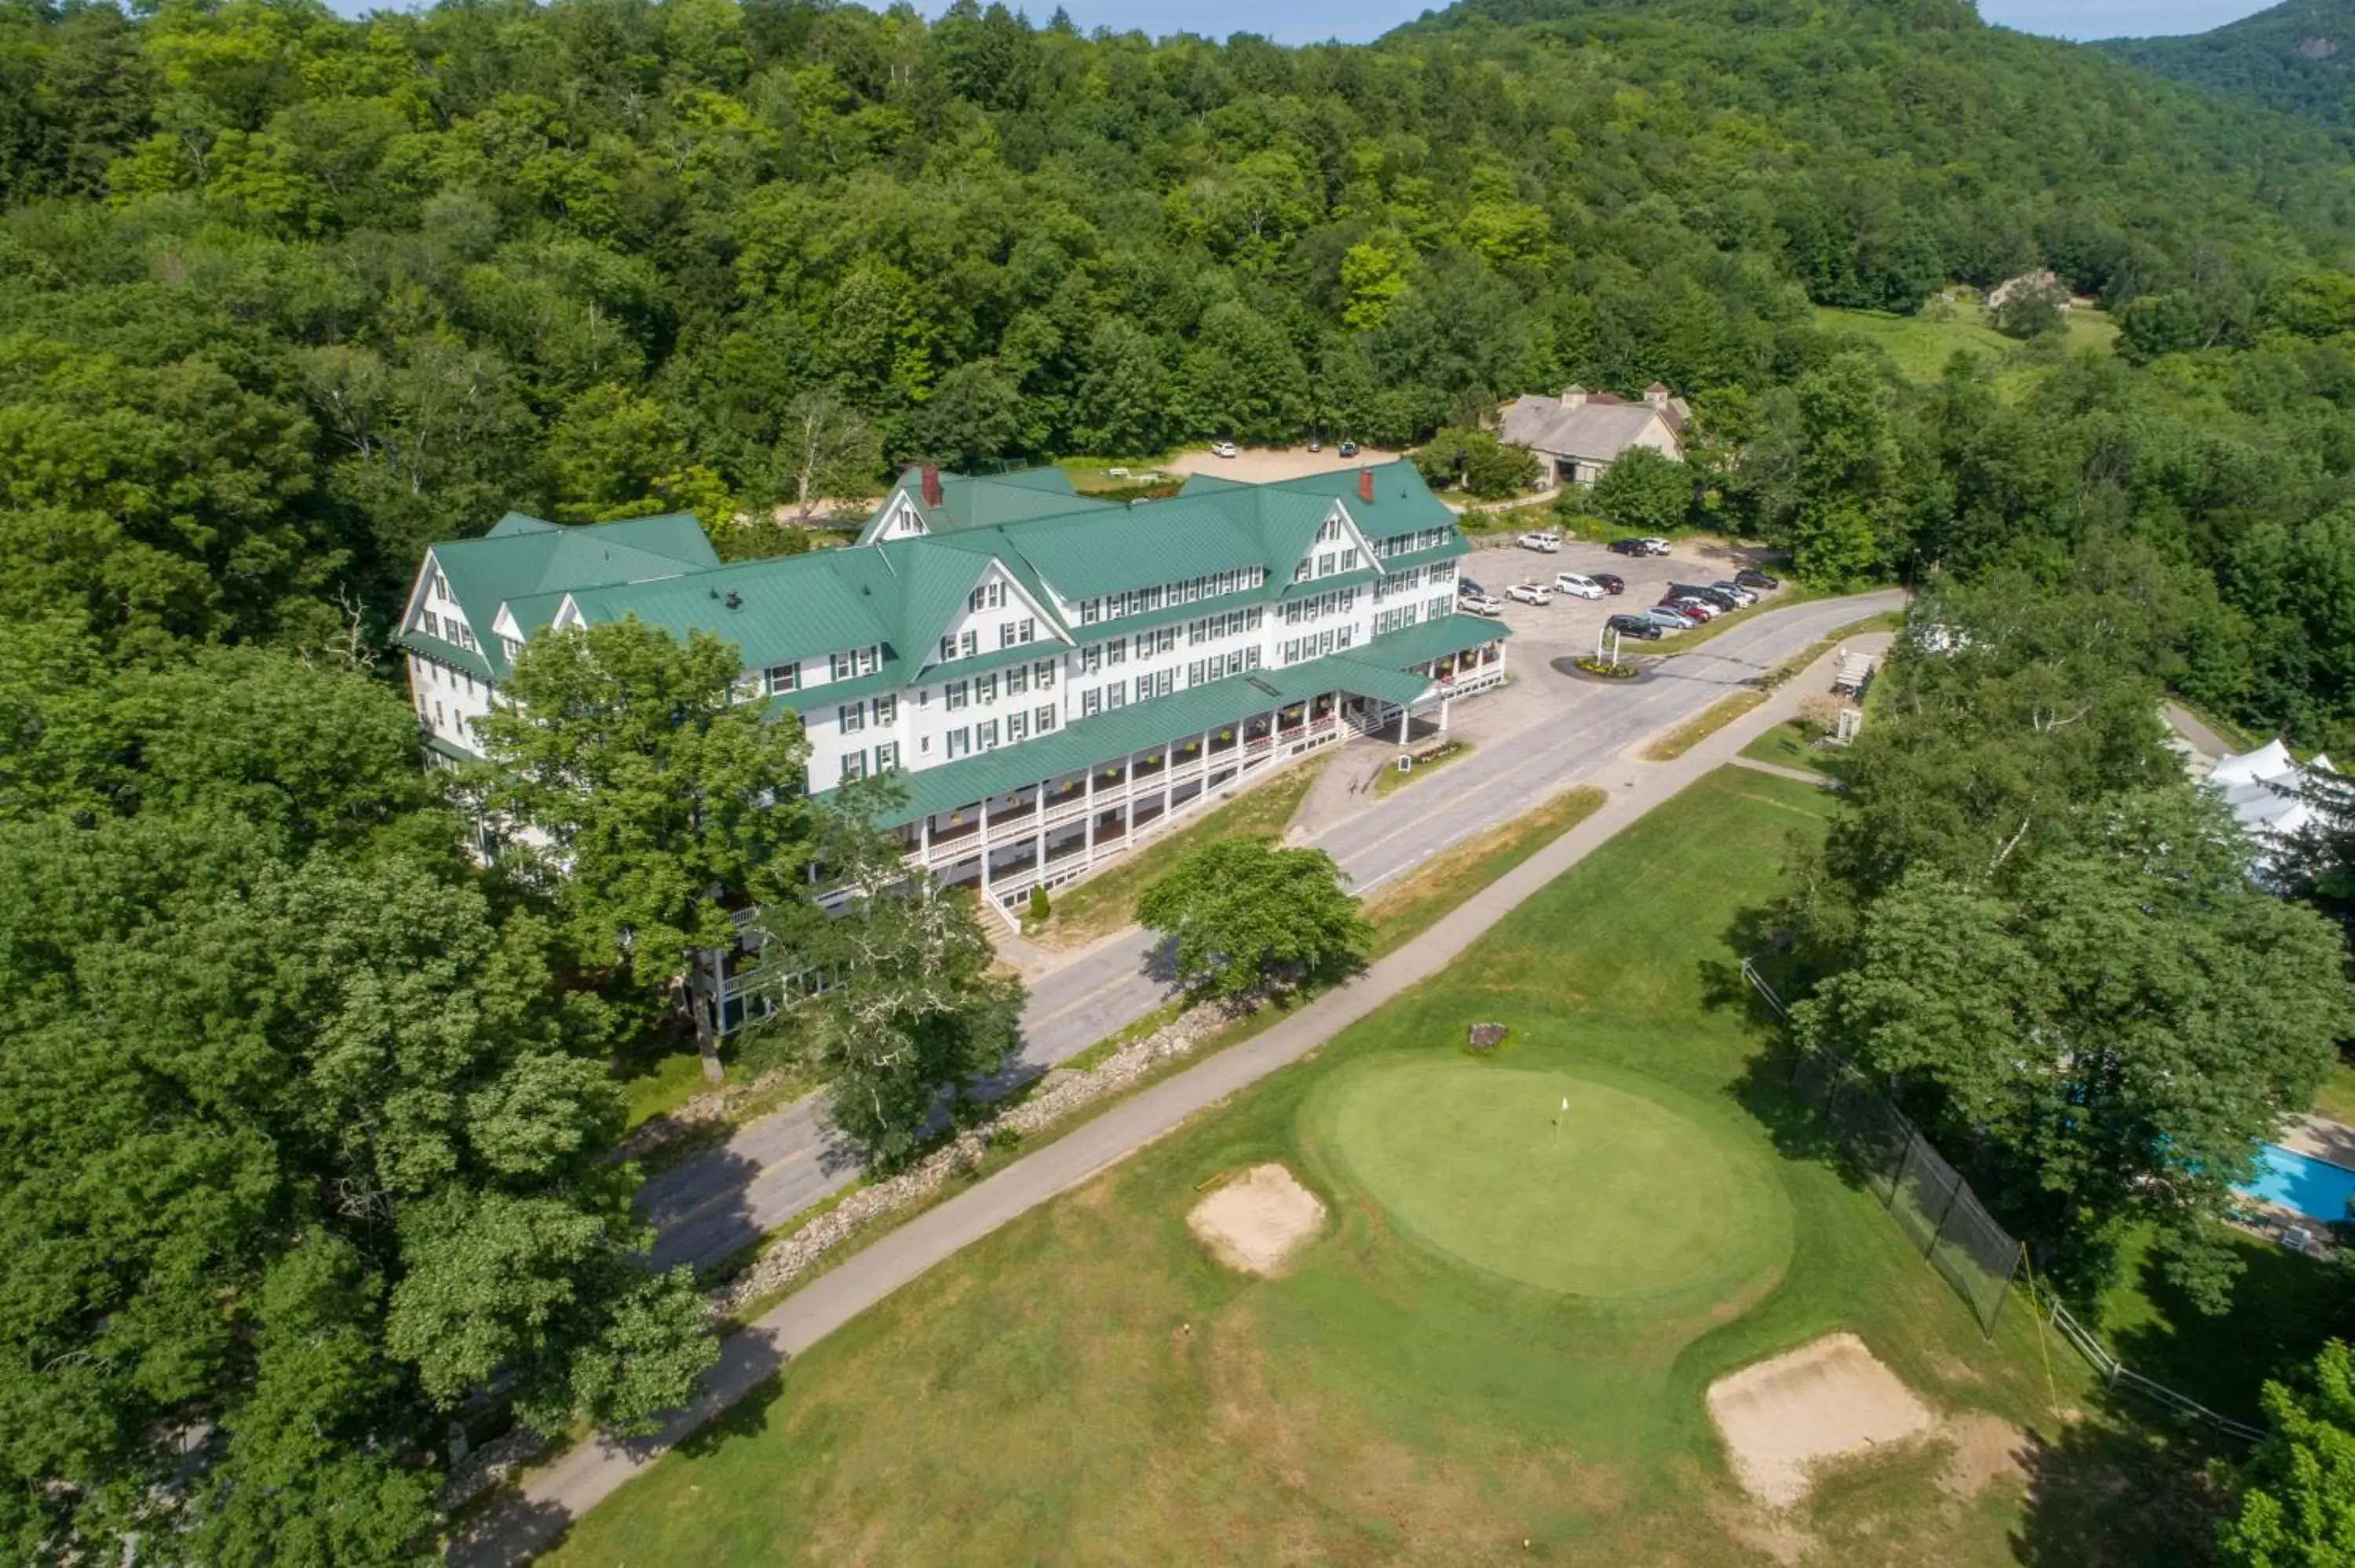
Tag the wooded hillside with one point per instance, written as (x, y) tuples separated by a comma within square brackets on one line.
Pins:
[(2297, 58)]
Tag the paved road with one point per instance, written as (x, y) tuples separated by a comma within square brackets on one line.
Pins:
[(549, 1499), (773, 1167)]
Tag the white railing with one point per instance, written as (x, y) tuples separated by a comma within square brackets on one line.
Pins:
[(2117, 1373)]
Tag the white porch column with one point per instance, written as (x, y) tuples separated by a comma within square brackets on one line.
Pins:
[(1091, 818), (1402, 720)]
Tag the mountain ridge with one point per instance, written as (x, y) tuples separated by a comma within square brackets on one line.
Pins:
[(2299, 58)]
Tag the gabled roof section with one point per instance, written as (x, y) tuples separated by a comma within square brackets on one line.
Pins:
[(1403, 503), (526, 558), (797, 607), (1085, 556), (990, 501)]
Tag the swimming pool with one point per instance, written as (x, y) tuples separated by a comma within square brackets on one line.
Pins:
[(2315, 1187)]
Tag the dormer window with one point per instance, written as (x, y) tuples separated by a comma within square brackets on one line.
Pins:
[(990, 594), (512, 646)]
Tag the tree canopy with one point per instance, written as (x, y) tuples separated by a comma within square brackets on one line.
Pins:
[(1241, 914)]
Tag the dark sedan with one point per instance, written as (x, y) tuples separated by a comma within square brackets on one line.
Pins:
[(1609, 582), (1630, 547)]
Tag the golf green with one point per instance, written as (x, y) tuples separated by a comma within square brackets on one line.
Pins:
[(1626, 1194)]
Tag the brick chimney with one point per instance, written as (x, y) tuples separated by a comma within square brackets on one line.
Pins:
[(1573, 398), (1366, 485), (1656, 394), (931, 484)]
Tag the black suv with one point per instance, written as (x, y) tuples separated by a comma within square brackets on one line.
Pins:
[(1609, 582), (1751, 578), (1630, 547), (1634, 626), (1709, 592)]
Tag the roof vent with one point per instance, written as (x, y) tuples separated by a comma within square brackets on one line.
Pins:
[(931, 484), (735, 599), (1366, 485)]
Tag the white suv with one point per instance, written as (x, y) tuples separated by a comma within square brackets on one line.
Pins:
[(1577, 587), (1543, 540), (1480, 604), (1530, 593)]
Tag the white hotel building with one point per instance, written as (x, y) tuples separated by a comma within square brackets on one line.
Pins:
[(1050, 678)]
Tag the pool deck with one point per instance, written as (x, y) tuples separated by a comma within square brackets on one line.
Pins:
[(2319, 1138)]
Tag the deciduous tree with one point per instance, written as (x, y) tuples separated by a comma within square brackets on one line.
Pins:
[(1241, 914)]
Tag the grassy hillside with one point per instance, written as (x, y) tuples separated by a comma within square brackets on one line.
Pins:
[(2297, 58)]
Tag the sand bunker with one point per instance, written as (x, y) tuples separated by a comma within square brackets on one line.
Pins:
[(1783, 1417), (1256, 1222)]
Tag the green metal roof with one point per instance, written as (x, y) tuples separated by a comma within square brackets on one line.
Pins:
[(1432, 640), (1456, 546), (1403, 503), (797, 607), (1088, 741), (527, 557), (1142, 547)]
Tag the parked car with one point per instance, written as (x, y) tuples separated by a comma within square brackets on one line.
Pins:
[(1467, 589), (1610, 582), (1578, 586), (1668, 620), (1315, 443), (1481, 604), (1699, 607), (1543, 540), (1742, 596), (1530, 593), (1222, 448), (1716, 596), (1634, 626), (1683, 612), (1751, 578), (1654, 546), (1349, 449), (1627, 547)]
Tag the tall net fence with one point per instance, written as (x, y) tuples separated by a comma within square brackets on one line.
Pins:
[(1933, 1204)]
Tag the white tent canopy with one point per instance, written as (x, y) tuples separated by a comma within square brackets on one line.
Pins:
[(2265, 787)]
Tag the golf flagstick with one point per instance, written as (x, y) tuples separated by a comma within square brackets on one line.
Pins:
[(1559, 1119)]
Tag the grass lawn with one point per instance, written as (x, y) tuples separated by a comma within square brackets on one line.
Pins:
[(1496, 1351), (1406, 906), (2284, 1307), (1390, 780), (1701, 725), (666, 1083), (1921, 346), (2335, 1100), (1792, 744), (1107, 901)]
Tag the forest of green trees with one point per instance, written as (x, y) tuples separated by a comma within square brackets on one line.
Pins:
[(2294, 58), (301, 1112)]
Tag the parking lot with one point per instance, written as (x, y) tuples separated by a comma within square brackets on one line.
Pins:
[(1566, 628)]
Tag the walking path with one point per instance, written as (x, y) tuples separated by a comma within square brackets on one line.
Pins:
[(1820, 780), (549, 1499), (1538, 737)]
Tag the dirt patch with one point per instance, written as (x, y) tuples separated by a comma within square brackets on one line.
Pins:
[(1783, 1417), (1987, 1450), (1257, 1223)]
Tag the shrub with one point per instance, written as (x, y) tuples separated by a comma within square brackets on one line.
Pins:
[(1040, 907)]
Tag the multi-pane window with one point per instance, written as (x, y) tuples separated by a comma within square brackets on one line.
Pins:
[(854, 766), (1091, 702), (1045, 718), (851, 717), (779, 678), (990, 594), (984, 735), (886, 709), (1219, 666), (1015, 633), (857, 661), (959, 741), (1156, 686), (1234, 623), (512, 646), (1018, 681), (985, 688), (1149, 643), (1116, 694), (1144, 600), (1043, 673), (1438, 606), (441, 587), (428, 624), (1090, 658), (1315, 607), (887, 756), (1017, 727), (956, 693), (1116, 651)]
